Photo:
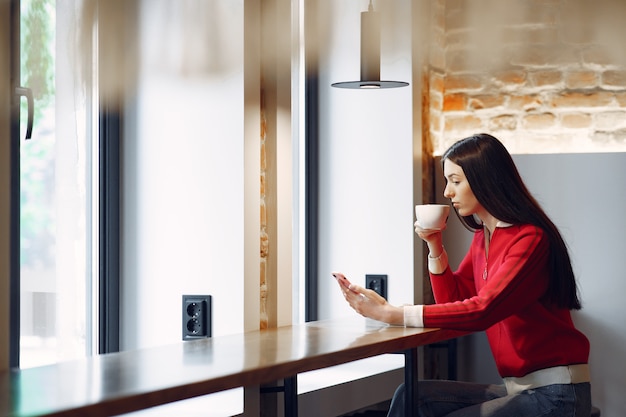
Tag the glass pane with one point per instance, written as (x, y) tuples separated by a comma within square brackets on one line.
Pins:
[(57, 174)]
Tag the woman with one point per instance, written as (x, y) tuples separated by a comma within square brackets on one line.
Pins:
[(515, 282)]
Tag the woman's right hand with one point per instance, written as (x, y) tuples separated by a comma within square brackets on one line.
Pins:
[(433, 238), (426, 234)]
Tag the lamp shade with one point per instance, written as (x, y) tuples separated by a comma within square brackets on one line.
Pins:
[(370, 56)]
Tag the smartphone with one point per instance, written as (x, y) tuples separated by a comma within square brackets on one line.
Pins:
[(342, 279)]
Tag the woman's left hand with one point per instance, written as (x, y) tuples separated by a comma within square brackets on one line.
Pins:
[(369, 303), (366, 302)]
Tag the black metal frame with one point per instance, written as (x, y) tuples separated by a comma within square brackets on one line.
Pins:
[(311, 176), (411, 365), (14, 268), (411, 362), (110, 133)]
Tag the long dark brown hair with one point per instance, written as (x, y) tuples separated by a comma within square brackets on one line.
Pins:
[(498, 187)]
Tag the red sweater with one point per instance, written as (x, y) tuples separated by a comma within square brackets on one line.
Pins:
[(524, 333)]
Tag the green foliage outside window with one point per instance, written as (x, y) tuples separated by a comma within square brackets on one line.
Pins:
[(37, 155)]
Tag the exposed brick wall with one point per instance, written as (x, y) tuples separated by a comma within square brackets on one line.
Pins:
[(264, 234), (541, 75)]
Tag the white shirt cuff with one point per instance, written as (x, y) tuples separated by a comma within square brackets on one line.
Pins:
[(414, 316), (439, 264)]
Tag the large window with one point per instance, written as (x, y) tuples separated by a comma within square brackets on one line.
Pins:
[(58, 205)]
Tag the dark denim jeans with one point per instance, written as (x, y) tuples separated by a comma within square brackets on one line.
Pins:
[(463, 399)]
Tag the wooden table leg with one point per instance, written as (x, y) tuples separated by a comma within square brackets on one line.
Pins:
[(291, 396), (410, 382)]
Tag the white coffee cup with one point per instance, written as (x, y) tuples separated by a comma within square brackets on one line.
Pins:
[(432, 216)]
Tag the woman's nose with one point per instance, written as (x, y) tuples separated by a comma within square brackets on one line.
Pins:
[(447, 193)]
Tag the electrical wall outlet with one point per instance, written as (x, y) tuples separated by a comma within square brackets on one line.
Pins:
[(196, 316), (377, 283)]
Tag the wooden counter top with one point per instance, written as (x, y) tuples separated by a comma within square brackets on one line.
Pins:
[(122, 382)]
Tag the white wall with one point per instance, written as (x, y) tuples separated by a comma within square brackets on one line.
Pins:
[(585, 197), (183, 202), (183, 172), (366, 185), (183, 223), (366, 162)]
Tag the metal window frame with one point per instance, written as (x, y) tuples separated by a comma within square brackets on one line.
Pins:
[(311, 161), (110, 134), (14, 308)]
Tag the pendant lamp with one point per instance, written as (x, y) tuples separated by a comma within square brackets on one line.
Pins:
[(370, 56)]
